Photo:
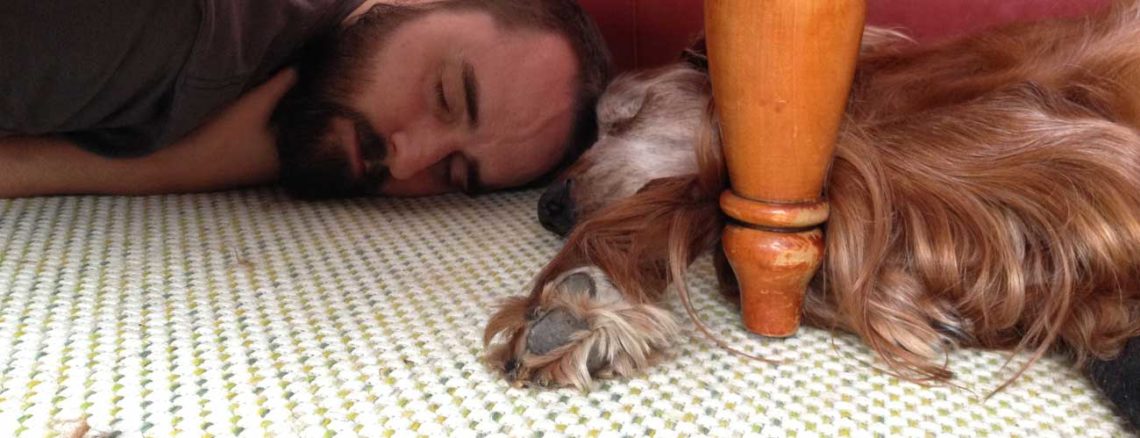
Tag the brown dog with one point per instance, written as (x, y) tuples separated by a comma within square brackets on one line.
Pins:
[(985, 193)]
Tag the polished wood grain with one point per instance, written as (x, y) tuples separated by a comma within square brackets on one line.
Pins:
[(781, 72)]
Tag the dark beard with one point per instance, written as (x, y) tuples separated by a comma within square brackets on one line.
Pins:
[(329, 71), (314, 165)]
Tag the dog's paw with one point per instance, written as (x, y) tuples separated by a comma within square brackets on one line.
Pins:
[(580, 327)]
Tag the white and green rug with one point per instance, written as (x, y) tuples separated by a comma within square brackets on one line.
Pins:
[(248, 313)]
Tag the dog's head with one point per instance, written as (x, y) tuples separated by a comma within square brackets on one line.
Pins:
[(648, 123)]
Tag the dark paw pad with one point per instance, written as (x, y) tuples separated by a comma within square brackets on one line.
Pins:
[(553, 330)]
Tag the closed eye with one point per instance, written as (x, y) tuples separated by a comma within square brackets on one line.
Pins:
[(441, 98)]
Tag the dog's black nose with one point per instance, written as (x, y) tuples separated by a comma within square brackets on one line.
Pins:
[(556, 208)]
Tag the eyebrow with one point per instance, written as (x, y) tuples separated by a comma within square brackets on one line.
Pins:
[(471, 91)]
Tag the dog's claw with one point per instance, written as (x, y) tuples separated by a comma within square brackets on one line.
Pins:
[(512, 369)]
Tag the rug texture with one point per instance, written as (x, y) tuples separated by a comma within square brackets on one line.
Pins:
[(249, 313)]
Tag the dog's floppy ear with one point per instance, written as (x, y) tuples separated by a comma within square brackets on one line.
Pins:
[(620, 106), (619, 117), (656, 184), (655, 90), (697, 55), (652, 185)]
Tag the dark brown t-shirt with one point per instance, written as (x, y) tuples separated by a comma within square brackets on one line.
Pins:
[(126, 77)]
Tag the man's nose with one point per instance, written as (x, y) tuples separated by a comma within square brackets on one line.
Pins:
[(413, 153), (556, 207)]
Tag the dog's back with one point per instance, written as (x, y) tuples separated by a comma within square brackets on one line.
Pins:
[(987, 189), (1092, 61)]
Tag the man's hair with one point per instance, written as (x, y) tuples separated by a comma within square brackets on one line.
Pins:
[(567, 19)]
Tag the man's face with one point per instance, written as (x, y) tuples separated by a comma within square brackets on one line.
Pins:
[(445, 101)]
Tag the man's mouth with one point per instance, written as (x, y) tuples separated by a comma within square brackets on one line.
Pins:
[(343, 134), (362, 159), (372, 150)]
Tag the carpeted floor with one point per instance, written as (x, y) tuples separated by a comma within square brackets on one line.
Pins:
[(248, 313)]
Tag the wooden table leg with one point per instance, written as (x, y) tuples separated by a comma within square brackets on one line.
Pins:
[(781, 73)]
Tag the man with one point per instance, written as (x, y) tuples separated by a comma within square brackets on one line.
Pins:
[(389, 97)]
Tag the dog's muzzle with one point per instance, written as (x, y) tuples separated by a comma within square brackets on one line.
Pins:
[(556, 208)]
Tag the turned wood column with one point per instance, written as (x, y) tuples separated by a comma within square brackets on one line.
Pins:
[(781, 73)]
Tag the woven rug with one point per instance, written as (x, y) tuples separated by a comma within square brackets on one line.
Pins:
[(248, 313)]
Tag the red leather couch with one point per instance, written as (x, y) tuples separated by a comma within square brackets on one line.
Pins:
[(644, 33)]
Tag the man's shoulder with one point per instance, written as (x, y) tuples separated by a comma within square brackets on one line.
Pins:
[(83, 66), (240, 44), (241, 37)]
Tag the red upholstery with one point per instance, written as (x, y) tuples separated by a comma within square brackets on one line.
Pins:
[(650, 32)]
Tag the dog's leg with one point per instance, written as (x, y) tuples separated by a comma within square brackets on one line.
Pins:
[(577, 328)]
